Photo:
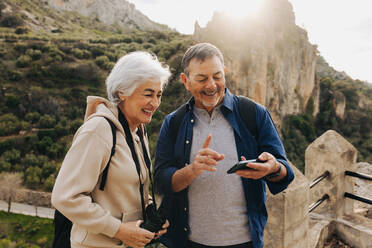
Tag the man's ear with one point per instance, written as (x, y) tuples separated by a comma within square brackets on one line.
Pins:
[(184, 79)]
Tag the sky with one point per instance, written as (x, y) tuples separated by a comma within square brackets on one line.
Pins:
[(342, 29)]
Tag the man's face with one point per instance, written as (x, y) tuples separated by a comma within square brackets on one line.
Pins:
[(206, 82)]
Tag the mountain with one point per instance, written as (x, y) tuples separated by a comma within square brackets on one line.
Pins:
[(111, 12), (78, 17), (269, 58)]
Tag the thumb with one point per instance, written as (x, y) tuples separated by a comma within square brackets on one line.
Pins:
[(264, 156), (138, 223)]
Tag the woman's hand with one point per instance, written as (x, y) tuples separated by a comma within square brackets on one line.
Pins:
[(133, 235), (162, 231)]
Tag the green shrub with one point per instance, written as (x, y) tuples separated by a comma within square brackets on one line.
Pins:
[(4, 165), (81, 54), (20, 47), (32, 177), (56, 150), (101, 60), (127, 40), (5, 243), (32, 117), (44, 144), (11, 21), (12, 156), (22, 30), (23, 61), (104, 63), (48, 169), (49, 183), (9, 124), (34, 54), (14, 75), (97, 51), (31, 159), (47, 121)]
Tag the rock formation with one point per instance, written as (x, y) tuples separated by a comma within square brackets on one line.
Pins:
[(268, 58), (119, 12)]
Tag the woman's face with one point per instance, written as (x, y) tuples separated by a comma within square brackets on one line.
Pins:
[(140, 106)]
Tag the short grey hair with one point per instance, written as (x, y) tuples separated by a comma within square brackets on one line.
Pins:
[(132, 70), (200, 51)]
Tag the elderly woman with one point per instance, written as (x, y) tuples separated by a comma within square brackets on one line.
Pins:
[(112, 217)]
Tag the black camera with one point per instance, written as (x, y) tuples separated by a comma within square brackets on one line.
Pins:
[(154, 219)]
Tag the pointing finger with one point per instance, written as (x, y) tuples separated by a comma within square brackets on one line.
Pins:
[(207, 141)]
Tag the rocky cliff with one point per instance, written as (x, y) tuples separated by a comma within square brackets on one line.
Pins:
[(268, 58), (118, 12)]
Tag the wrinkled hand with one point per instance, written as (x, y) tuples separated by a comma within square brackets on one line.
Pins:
[(206, 159), (260, 169), (132, 235), (162, 231)]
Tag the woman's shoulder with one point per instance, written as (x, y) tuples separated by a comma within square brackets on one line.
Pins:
[(97, 126)]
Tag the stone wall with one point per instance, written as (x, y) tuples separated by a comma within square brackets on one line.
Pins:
[(333, 153), (26, 196), (288, 220)]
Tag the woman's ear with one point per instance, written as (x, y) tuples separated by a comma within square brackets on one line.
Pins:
[(121, 96)]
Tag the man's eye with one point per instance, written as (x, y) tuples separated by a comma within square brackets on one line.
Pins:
[(202, 80)]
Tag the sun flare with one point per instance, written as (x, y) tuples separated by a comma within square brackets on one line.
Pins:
[(240, 8)]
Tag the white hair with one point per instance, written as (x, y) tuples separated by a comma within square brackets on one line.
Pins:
[(132, 70)]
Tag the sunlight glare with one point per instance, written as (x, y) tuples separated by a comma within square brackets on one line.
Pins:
[(240, 8)]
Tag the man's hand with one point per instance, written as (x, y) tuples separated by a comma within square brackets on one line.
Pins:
[(260, 170), (131, 234), (206, 159), (162, 231)]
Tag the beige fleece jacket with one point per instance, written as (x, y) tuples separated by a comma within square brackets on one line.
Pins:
[(96, 214)]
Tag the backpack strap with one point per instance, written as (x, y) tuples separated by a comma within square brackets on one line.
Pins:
[(247, 111), (105, 171)]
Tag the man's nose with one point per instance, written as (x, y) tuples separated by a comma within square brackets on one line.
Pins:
[(211, 84)]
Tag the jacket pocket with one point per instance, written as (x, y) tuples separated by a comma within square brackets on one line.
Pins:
[(78, 234)]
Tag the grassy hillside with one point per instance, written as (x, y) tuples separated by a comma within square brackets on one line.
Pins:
[(45, 79), (21, 231)]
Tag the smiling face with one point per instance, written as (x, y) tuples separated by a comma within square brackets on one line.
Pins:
[(206, 82), (141, 104)]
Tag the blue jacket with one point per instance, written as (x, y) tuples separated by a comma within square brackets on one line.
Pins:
[(173, 153)]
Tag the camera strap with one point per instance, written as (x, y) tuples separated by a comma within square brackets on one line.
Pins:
[(129, 139)]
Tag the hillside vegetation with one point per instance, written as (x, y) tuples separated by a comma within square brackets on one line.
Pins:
[(45, 79), (355, 125)]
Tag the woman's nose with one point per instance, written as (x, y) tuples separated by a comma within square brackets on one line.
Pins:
[(155, 102)]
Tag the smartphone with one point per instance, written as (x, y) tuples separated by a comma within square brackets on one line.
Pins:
[(241, 165)]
